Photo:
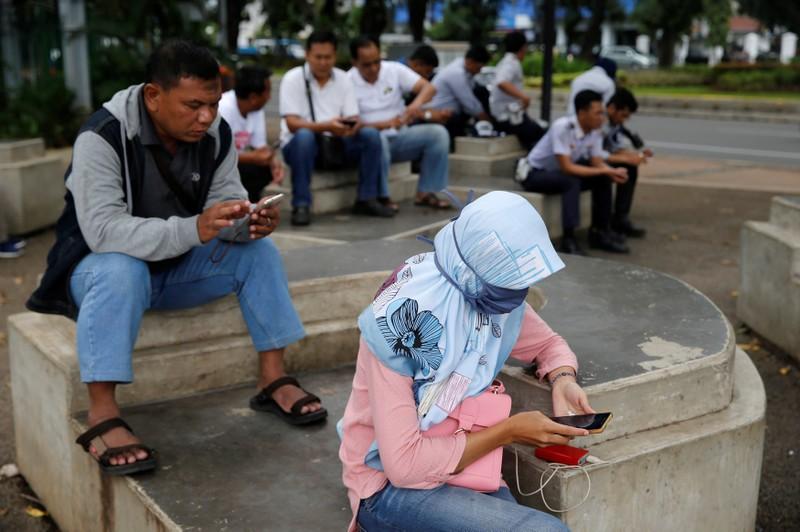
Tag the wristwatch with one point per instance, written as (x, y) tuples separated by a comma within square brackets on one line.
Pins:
[(428, 115)]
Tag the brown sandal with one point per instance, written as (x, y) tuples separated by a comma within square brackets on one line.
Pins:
[(430, 199), (263, 402)]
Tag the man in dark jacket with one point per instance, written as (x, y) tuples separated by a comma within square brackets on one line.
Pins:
[(156, 217)]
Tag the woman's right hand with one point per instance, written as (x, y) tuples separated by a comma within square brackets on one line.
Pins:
[(534, 428)]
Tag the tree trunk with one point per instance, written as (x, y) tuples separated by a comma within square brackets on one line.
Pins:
[(416, 18), (592, 36), (235, 8), (666, 49), (373, 18)]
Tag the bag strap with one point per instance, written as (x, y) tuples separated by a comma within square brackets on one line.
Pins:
[(308, 94), (163, 168)]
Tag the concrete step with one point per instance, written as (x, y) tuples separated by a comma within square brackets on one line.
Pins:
[(325, 180), (785, 213), (14, 151), (697, 475), (467, 166), (769, 293), (481, 147), (547, 205), (32, 191)]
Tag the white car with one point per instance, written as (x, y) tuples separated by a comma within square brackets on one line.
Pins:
[(627, 57)]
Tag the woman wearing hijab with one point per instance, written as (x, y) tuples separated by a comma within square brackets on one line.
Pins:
[(438, 331)]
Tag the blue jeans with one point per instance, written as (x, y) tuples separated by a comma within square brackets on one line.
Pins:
[(428, 142), (113, 290), (363, 148), (448, 508)]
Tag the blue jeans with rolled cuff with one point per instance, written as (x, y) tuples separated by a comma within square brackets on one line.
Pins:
[(113, 290)]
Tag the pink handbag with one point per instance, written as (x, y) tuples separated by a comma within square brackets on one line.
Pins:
[(473, 415)]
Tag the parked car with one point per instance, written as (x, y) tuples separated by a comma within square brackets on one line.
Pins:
[(627, 57)]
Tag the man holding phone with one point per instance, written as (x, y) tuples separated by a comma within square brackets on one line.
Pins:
[(242, 108), (317, 98), (157, 218)]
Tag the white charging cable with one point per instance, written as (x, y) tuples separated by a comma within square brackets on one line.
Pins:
[(554, 468)]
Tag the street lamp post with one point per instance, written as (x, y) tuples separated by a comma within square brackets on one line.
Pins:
[(547, 64)]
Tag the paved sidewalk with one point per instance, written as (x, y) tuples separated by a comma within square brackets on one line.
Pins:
[(693, 210)]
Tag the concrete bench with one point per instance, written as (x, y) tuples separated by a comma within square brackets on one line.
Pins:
[(484, 157), (31, 185), (684, 447), (769, 295), (336, 191)]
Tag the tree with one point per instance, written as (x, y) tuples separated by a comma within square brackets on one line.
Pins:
[(373, 18), (785, 13), (466, 20), (416, 18), (717, 15), (672, 18)]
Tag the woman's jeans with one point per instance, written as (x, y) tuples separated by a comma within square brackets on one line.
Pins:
[(113, 290), (449, 508)]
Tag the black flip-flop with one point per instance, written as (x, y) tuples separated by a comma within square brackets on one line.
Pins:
[(94, 436), (263, 402), (433, 201)]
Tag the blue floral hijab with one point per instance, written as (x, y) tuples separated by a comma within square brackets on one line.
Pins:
[(449, 318)]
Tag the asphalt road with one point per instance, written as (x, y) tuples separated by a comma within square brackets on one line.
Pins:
[(773, 144)]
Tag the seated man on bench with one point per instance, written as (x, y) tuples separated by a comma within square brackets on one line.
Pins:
[(569, 159), (379, 87), (455, 93), (157, 218), (619, 109)]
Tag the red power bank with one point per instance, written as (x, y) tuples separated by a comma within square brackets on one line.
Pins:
[(562, 454)]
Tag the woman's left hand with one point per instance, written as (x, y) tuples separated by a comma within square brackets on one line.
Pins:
[(569, 398)]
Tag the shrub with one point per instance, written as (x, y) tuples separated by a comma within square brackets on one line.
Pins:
[(43, 108), (533, 63)]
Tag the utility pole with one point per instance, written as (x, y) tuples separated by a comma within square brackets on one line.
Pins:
[(549, 27), (11, 60), (75, 50)]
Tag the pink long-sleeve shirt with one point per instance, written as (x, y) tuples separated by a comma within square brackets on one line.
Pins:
[(381, 408)]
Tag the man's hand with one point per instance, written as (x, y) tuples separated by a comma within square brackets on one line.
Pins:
[(440, 116), (278, 171), (648, 152), (525, 101), (219, 216), (340, 129), (262, 156), (617, 175), (264, 221)]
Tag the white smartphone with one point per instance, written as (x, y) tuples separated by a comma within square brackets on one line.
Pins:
[(266, 202)]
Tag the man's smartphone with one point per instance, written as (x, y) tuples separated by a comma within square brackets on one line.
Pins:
[(266, 202), (349, 122), (594, 423)]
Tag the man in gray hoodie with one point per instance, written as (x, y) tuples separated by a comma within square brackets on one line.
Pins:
[(156, 217)]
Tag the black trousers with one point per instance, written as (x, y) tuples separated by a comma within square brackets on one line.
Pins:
[(528, 132), (624, 193), (254, 178), (570, 187)]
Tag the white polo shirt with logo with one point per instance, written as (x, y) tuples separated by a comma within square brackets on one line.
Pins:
[(565, 137), (249, 132), (383, 100), (335, 99)]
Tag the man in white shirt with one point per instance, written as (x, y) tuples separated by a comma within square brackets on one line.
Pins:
[(242, 109), (333, 112), (569, 159), (379, 87), (600, 79), (455, 91), (508, 102)]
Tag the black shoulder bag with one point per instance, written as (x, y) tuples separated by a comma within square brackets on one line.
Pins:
[(330, 149)]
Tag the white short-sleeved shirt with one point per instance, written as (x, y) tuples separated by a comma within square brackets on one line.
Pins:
[(508, 69), (595, 79), (333, 100), (383, 100), (248, 131), (565, 137)]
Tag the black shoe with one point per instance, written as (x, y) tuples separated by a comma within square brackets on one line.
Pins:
[(372, 208), (570, 245), (627, 228), (605, 240), (301, 216)]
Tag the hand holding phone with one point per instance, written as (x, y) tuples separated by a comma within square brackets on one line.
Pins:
[(349, 122), (594, 423)]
